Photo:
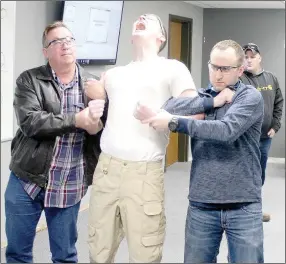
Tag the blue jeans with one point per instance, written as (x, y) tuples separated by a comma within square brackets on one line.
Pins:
[(243, 228), (22, 217), (264, 147)]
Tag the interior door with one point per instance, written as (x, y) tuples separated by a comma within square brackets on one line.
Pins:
[(175, 53)]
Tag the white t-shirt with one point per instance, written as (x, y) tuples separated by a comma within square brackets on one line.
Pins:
[(152, 83)]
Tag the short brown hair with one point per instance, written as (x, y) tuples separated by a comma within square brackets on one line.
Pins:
[(56, 24), (225, 44)]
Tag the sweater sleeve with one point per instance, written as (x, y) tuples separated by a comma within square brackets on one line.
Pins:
[(278, 107), (185, 106), (246, 110)]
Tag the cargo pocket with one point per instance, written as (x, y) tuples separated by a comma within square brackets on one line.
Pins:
[(93, 244), (154, 223), (153, 240)]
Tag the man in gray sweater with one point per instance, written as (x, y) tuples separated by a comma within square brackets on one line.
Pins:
[(225, 182)]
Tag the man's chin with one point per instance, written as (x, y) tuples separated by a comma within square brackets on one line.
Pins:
[(219, 88), (138, 33), (68, 61)]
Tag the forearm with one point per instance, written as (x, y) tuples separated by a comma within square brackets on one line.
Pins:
[(95, 128), (277, 113), (213, 130), (238, 119), (186, 106), (33, 120), (276, 123), (195, 117), (40, 124)]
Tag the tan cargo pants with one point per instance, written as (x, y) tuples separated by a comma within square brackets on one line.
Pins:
[(127, 198)]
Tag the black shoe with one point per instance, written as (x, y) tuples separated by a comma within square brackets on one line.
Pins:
[(266, 217)]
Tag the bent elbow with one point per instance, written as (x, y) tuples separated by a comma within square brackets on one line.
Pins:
[(230, 138)]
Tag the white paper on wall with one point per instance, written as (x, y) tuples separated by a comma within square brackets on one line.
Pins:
[(98, 25)]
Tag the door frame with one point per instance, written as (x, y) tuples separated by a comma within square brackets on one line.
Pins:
[(186, 58)]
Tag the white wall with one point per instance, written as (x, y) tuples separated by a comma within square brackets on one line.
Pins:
[(33, 16)]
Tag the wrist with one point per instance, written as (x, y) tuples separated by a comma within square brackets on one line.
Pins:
[(208, 103), (77, 121), (80, 120), (94, 121), (173, 124), (95, 128), (216, 102)]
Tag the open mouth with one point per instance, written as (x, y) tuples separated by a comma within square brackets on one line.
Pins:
[(140, 26)]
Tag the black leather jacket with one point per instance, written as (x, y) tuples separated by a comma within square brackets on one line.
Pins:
[(37, 105)]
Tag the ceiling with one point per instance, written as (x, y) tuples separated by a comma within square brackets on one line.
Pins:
[(239, 4)]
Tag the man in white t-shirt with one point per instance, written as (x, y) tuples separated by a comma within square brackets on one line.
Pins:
[(127, 195)]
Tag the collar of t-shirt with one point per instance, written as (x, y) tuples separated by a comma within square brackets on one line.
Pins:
[(69, 85)]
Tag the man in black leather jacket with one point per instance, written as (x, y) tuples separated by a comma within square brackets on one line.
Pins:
[(54, 152)]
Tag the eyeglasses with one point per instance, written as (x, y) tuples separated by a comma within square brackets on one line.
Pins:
[(223, 69), (61, 41)]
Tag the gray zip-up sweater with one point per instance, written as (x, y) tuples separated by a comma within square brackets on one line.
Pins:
[(225, 146)]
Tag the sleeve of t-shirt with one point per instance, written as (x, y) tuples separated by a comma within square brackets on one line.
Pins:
[(181, 78)]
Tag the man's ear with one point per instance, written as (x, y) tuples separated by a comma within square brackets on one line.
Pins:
[(162, 38), (45, 53), (241, 70)]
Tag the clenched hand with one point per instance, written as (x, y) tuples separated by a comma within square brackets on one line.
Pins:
[(224, 97)]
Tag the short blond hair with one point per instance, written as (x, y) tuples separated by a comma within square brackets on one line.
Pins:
[(56, 24), (163, 31), (225, 44)]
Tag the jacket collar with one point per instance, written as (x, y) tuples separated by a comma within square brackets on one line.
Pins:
[(232, 87), (251, 74), (46, 74)]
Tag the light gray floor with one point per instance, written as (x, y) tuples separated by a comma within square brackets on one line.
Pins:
[(176, 185)]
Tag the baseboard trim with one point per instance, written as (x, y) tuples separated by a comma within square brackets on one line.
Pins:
[(43, 225), (270, 160)]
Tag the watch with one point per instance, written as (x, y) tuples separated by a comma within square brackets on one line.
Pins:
[(173, 124)]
